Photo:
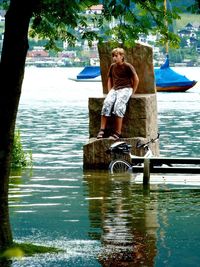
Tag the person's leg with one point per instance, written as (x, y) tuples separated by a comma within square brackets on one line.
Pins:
[(106, 111), (123, 96), (118, 124), (102, 127), (103, 121), (118, 128)]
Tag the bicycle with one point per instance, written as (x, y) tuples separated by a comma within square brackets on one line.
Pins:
[(119, 148)]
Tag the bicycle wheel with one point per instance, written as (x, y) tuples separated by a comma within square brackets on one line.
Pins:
[(119, 165)]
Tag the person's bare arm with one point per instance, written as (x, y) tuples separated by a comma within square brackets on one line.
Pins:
[(135, 82), (109, 84)]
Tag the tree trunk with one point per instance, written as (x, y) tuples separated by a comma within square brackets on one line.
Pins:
[(12, 66)]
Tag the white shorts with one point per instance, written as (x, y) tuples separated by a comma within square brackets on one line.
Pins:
[(116, 102)]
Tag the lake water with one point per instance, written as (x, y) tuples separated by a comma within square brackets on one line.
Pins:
[(99, 219)]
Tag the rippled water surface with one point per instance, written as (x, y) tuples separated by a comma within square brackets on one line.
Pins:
[(99, 219)]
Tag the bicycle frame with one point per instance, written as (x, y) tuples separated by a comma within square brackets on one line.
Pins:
[(122, 148), (148, 152), (147, 149)]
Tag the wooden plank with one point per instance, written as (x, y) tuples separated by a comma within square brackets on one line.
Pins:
[(175, 160), (136, 169), (160, 169), (155, 165), (181, 169), (167, 160)]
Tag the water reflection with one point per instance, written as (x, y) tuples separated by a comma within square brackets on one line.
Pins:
[(104, 220), (126, 216), (153, 226)]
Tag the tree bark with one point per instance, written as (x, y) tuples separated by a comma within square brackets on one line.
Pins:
[(12, 65)]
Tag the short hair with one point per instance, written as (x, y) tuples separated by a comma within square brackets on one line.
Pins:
[(119, 51)]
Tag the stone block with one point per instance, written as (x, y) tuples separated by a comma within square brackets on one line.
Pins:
[(96, 158), (140, 56), (140, 118)]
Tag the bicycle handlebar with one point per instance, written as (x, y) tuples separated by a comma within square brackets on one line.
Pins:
[(139, 145)]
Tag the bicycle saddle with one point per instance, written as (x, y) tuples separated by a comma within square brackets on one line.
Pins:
[(119, 148)]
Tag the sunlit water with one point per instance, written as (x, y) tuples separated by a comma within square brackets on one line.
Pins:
[(98, 219)]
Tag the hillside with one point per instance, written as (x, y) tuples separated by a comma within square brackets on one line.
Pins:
[(185, 19)]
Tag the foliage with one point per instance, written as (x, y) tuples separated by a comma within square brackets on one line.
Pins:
[(131, 19), (19, 158), (195, 7), (59, 19), (67, 20), (25, 249)]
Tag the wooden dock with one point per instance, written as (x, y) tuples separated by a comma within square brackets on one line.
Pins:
[(165, 165)]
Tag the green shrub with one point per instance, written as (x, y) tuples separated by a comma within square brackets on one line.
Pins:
[(20, 250), (20, 158)]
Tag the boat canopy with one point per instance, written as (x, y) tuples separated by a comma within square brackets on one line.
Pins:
[(165, 76), (89, 72)]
